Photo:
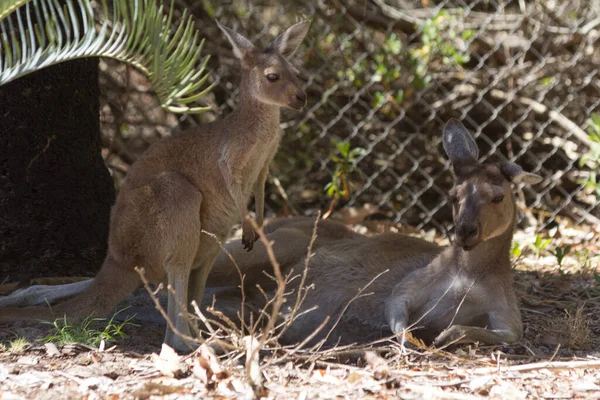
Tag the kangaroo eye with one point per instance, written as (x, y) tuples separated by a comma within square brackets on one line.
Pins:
[(498, 199), (453, 199), (272, 77)]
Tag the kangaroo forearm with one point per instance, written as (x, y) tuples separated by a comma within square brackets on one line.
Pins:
[(396, 312), (236, 194), (259, 204), (259, 198), (241, 207), (234, 189)]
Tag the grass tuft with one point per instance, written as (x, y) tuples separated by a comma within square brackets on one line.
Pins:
[(579, 329), (87, 332), (18, 345)]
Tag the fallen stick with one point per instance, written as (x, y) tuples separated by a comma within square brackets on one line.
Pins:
[(540, 108), (541, 365)]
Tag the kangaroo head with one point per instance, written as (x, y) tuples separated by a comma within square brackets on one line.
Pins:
[(268, 74), (483, 205)]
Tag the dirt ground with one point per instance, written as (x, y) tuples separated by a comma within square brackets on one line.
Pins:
[(558, 358)]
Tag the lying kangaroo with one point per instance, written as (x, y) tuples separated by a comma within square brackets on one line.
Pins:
[(199, 180), (461, 293)]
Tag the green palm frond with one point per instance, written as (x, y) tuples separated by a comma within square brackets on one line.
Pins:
[(38, 33), (8, 6)]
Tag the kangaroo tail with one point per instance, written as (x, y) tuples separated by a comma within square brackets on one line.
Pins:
[(112, 284), (39, 295)]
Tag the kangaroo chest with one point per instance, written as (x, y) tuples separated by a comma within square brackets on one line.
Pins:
[(245, 167), (454, 300), (260, 157)]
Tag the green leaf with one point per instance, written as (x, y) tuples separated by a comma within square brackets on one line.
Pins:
[(399, 96), (342, 148), (330, 189), (462, 58), (596, 119), (467, 34), (137, 32), (516, 250), (379, 99), (357, 152), (7, 7), (393, 45)]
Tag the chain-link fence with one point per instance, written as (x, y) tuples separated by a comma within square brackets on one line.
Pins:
[(384, 76)]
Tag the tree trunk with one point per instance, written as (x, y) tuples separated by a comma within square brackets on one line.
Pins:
[(55, 191)]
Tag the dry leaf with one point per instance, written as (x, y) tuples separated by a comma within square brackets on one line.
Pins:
[(51, 350), (207, 353), (169, 363), (585, 385), (481, 383), (325, 377), (28, 360), (207, 368), (378, 364), (252, 360), (354, 377), (201, 372), (154, 389), (506, 390)]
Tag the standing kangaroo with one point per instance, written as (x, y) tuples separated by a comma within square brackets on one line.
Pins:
[(461, 293), (199, 180)]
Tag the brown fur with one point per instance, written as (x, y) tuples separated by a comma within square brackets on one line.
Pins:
[(199, 180), (461, 293)]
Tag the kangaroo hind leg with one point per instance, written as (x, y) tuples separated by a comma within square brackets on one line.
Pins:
[(178, 338), (177, 216)]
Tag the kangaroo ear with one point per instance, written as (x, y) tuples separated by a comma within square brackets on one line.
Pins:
[(514, 173), (287, 43), (458, 143), (242, 47)]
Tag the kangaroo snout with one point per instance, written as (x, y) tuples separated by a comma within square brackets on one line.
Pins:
[(468, 236), (299, 100)]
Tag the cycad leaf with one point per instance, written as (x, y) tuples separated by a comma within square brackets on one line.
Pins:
[(8, 6), (38, 33)]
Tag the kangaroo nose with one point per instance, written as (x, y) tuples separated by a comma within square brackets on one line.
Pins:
[(471, 232), (468, 235), (301, 96)]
